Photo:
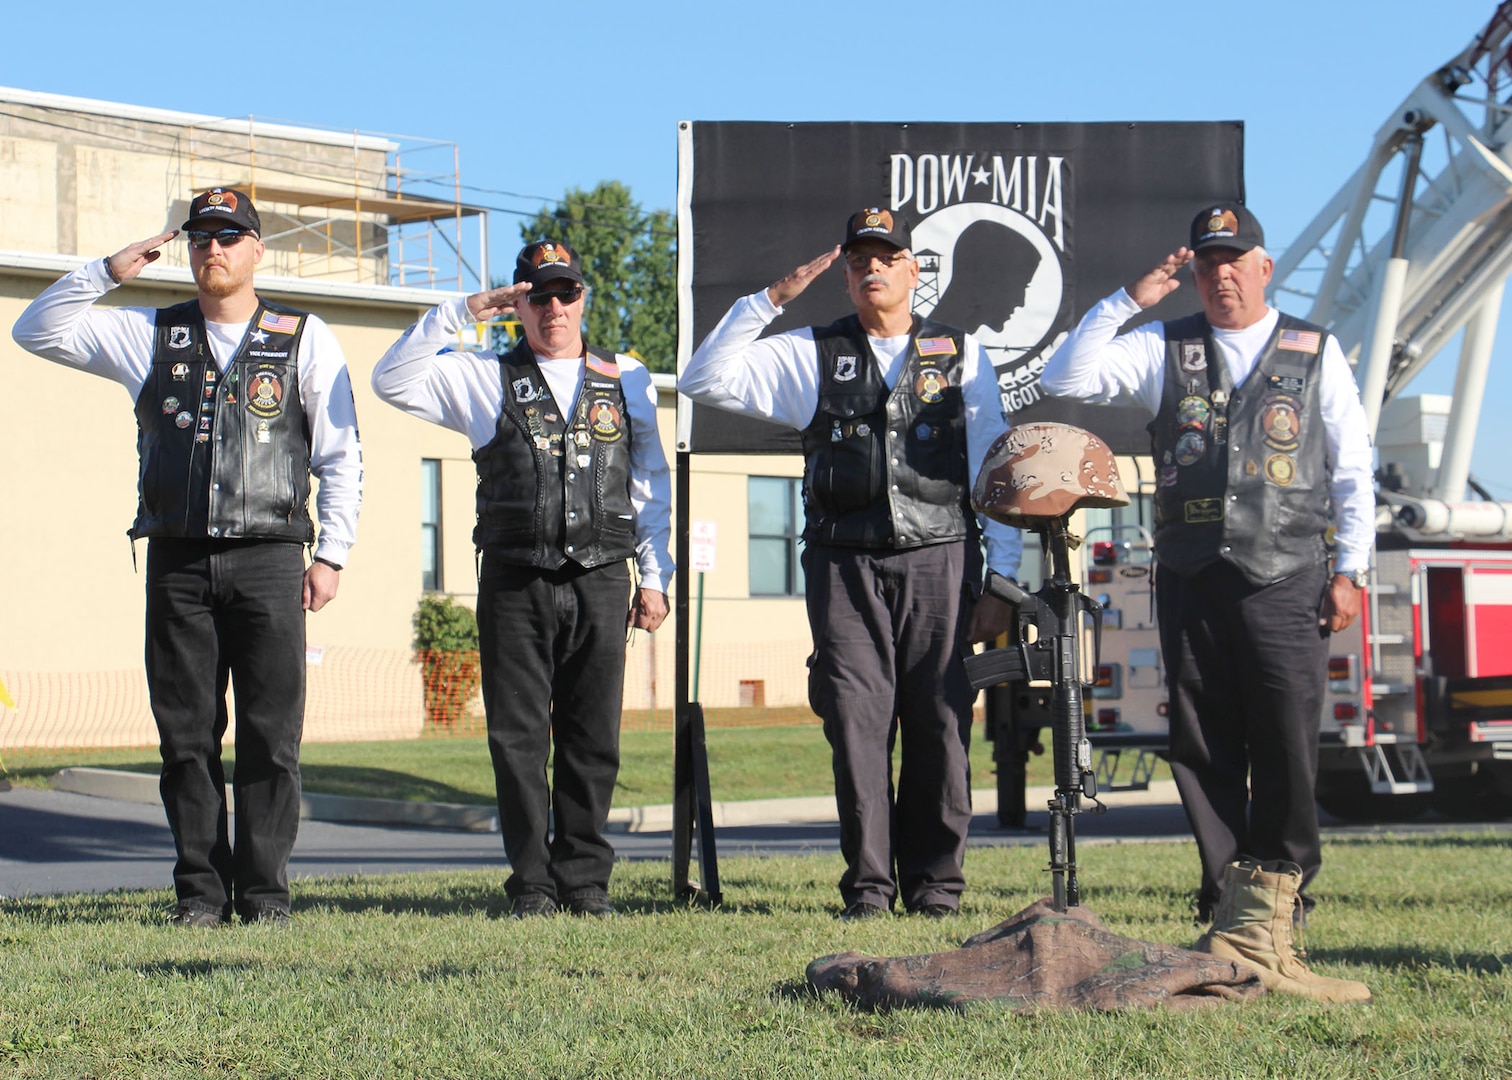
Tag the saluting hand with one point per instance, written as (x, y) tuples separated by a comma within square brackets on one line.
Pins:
[(1160, 282), (784, 289), (493, 302), (132, 259)]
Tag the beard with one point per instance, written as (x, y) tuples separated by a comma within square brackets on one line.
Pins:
[(220, 282)]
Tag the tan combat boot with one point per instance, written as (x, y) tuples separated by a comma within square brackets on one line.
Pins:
[(1253, 926)]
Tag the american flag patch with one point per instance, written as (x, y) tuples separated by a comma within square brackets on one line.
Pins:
[(279, 324), (1308, 341), (603, 367), (936, 346)]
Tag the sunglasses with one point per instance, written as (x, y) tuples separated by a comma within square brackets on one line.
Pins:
[(226, 237), (544, 297), (857, 261)]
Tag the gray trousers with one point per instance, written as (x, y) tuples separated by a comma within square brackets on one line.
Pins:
[(889, 631)]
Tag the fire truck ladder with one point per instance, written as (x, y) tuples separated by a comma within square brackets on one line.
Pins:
[(1395, 270)]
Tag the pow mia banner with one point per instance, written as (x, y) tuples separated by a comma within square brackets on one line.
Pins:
[(1018, 229)]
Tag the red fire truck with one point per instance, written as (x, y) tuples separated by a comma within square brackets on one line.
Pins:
[(1419, 706)]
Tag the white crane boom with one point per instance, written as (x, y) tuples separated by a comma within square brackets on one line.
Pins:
[(1414, 247)]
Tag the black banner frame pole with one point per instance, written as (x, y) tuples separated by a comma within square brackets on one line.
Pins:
[(692, 808), (682, 769)]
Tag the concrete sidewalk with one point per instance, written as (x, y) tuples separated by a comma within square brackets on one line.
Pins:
[(143, 788)]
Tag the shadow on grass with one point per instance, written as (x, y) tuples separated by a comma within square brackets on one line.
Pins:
[(358, 896), (1409, 959), (189, 969), (368, 782), (358, 781)]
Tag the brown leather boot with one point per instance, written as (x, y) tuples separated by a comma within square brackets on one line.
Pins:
[(1253, 926)]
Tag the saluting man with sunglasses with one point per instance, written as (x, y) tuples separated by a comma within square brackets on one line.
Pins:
[(238, 401), (895, 413), (572, 482)]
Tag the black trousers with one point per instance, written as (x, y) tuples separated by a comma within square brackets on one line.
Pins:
[(1247, 670), (219, 611), (552, 645), (889, 632)]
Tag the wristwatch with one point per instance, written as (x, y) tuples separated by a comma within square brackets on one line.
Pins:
[(1361, 578)]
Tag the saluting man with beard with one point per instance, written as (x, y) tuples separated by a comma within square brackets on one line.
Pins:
[(238, 402)]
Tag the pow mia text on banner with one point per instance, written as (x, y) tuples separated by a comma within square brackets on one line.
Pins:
[(1018, 228)]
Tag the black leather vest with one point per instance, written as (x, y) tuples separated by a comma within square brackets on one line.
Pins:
[(887, 469), (225, 456), (554, 481), (1241, 473)]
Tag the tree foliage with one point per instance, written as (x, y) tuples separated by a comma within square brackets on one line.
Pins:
[(630, 263)]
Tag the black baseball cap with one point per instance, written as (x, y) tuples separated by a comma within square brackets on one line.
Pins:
[(1229, 225), (875, 224), (223, 208), (547, 260)]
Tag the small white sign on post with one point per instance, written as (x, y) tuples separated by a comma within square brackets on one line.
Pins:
[(701, 547)]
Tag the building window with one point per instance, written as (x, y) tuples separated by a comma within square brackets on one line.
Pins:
[(430, 524), (775, 506)]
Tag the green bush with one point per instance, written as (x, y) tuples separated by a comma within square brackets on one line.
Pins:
[(446, 644)]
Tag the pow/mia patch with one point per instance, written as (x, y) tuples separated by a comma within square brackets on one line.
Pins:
[(1190, 448), (524, 390), (604, 420), (178, 337), (931, 385), (1281, 422), (180, 372), (1288, 384), (1193, 412), (1280, 469), (1193, 357), (265, 397), (1202, 511), (845, 368), (263, 434)]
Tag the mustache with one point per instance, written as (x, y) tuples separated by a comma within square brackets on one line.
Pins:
[(874, 279)]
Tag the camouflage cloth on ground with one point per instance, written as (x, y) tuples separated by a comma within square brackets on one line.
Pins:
[(1041, 959)]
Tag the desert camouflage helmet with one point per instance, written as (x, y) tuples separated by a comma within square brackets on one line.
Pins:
[(1041, 471)]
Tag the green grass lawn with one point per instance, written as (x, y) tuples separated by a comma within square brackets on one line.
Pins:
[(744, 763), (415, 976)]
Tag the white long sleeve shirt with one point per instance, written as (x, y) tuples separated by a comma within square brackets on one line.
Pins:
[(62, 325), (777, 378), (1098, 365), (464, 391)]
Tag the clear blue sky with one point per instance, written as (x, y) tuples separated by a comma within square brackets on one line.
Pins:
[(542, 97)]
